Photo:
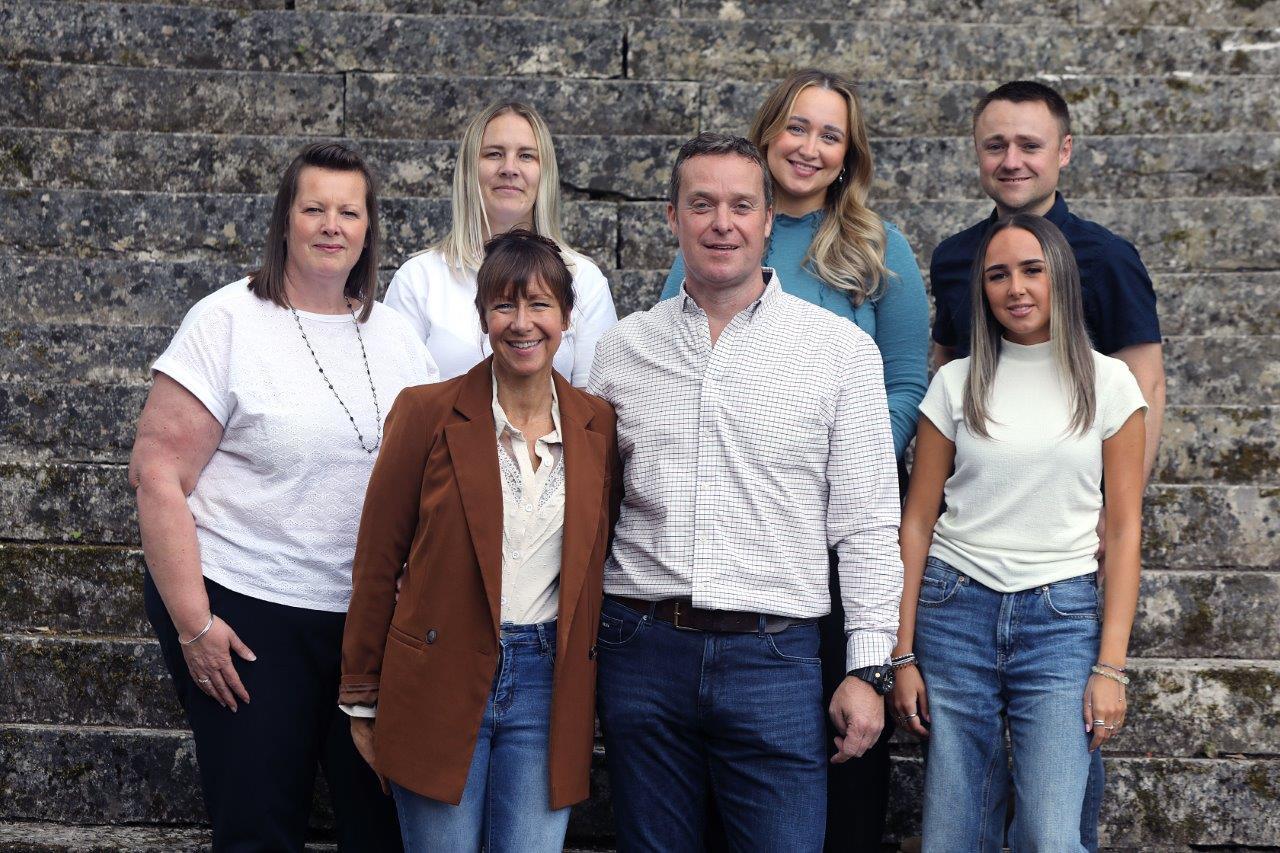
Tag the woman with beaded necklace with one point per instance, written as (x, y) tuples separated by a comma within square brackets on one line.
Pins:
[(250, 465)]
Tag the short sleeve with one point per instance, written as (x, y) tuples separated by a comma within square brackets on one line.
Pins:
[(1119, 397), (593, 315), (1126, 313), (406, 295), (937, 404), (198, 358)]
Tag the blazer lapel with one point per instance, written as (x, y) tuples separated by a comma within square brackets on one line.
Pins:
[(473, 452), (583, 486)]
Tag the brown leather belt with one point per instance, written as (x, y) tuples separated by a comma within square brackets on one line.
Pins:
[(683, 615)]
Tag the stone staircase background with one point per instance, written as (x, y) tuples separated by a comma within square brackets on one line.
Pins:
[(139, 146)]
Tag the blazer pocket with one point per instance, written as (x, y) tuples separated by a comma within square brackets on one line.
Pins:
[(407, 639)]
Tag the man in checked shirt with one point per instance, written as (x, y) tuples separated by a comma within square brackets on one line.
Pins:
[(754, 436)]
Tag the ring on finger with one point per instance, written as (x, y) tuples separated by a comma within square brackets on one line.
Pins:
[(204, 680), (1099, 722), (909, 716)]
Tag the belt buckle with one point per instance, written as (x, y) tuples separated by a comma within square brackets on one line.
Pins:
[(675, 619)]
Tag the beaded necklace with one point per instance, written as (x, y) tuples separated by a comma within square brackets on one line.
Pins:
[(377, 412)]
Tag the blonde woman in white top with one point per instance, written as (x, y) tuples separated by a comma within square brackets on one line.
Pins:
[(506, 177), (999, 616)]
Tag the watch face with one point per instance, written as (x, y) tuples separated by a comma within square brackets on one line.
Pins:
[(887, 682)]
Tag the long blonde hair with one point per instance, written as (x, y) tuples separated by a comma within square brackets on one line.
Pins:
[(463, 246), (1072, 353), (847, 251)]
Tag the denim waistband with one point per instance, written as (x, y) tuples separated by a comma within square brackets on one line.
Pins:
[(540, 634), (1087, 577)]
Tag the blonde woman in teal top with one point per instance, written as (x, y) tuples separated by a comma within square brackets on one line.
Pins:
[(829, 248)]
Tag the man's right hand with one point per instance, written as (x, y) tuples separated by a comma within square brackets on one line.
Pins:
[(857, 712)]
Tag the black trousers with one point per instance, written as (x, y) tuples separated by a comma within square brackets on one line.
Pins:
[(258, 765)]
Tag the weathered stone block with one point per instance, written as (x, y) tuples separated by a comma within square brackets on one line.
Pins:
[(1224, 444), (967, 11), (1099, 105), (1207, 615), (1201, 526), (392, 105), (169, 100), (1201, 708), (57, 838), (1204, 370), (66, 503), (194, 37), (1219, 304), (753, 49), (72, 589), (80, 353), (636, 290), (79, 422), (88, 681), (566, 9), (1180, 13), (107, 291), (1189, 801), (229, 228)]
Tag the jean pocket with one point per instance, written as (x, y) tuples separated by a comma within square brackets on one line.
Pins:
[(794, 645), (618, 625), (939, 583), (1076, 598)]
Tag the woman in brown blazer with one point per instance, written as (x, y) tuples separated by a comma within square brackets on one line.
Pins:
[(493, 491)]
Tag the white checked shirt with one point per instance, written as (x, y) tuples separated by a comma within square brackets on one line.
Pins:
[(744, 462)]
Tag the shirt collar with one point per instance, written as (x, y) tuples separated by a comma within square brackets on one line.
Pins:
[(772, 287), (1056, 214), (501, 424)]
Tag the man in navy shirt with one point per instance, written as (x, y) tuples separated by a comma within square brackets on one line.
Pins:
[(1022, 135)]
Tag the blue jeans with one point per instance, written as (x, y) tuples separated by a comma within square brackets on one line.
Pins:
[(506, 802), (1025, 656), (692, 714)]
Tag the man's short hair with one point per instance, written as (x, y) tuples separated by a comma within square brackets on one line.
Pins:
[(1027, 91), (711, 144)]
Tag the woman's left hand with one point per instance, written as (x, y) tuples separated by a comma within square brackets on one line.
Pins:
[(1104, 709)]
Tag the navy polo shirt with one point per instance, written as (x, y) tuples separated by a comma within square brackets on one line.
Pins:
[(1119, 301)]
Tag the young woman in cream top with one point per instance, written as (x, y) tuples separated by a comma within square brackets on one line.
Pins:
[(999, 614), (506, 177)]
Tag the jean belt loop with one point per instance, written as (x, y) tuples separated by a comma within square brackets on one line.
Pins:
[(543, 645), (761, 625)]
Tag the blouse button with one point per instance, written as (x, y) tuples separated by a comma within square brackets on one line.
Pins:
[(528, 507)]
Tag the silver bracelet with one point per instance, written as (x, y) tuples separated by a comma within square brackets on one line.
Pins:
[(204, 631), (906, 660), (1106, 672)]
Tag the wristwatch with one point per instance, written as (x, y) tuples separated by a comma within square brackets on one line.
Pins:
[(879, 677)]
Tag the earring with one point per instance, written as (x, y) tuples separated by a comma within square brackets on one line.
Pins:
[(840, 177)]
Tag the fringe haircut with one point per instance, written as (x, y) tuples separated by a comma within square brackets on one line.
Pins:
[(848, 249), (463, 246), (1069, 339), (267, 282)]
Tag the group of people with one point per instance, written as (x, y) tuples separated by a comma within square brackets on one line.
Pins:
[(422, 544)]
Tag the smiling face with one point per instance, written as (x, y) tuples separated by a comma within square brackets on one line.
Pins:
[(721, 220), (1016, 282), (328, 223), (1021, 150), (509, 172), (806, 156), (525, 331)]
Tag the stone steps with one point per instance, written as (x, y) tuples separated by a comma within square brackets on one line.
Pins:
[(327, 42), (107, 290), (1182, 708), (70, 590), (1173, 235), (95, 775), (1183, 526), (94, 421), (630, 168), (360, 104)]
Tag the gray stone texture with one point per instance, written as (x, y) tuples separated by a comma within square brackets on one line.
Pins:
[(140, 146)]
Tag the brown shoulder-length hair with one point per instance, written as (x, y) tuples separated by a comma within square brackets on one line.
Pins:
[(267, 282)]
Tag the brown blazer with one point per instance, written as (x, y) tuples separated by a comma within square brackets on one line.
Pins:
[(434, 505)]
